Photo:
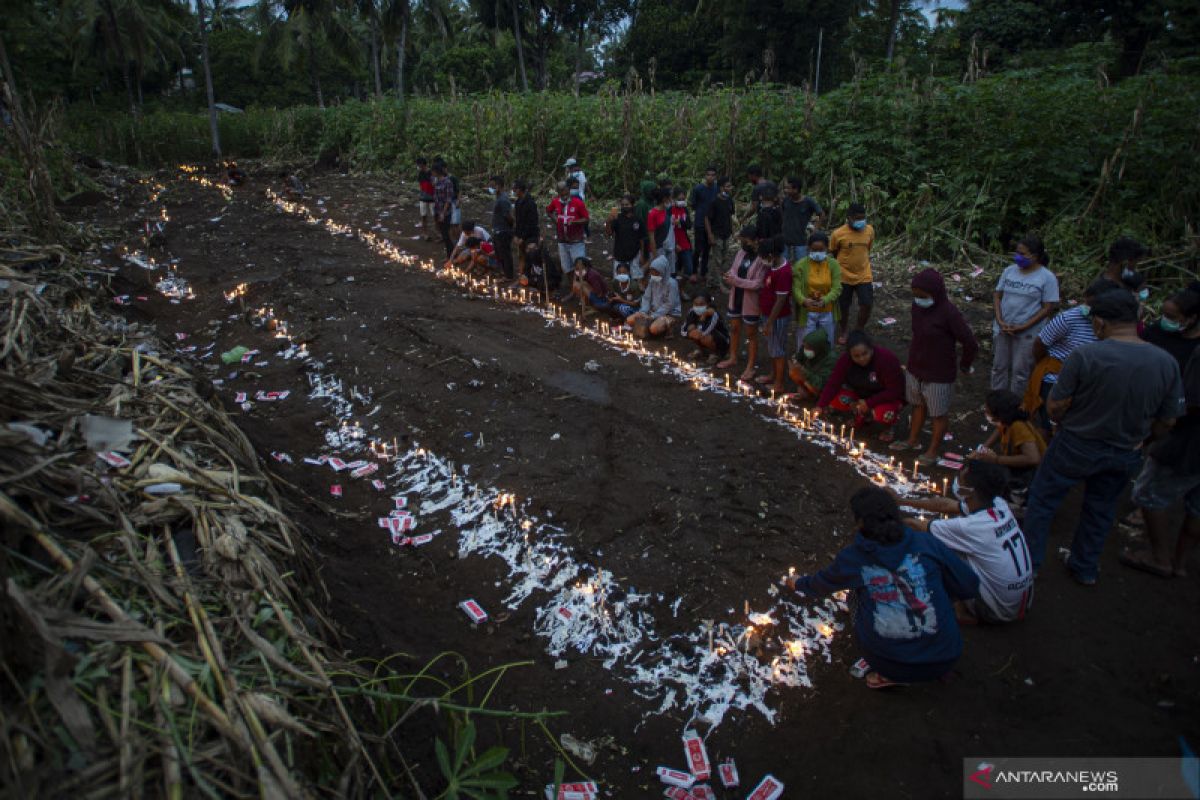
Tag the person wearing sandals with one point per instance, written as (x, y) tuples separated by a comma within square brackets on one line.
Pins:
[(938, 329), (776, 295), (903, 585), (981, 529), (866, 381), (744, 279), (811, 365), (705, 329), (660, 307), (1171, 473)]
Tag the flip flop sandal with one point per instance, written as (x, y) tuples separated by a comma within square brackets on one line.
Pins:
[(726, 364), (763, 380), (902, 445), (1138, 561), (926, 461), (877, 681)]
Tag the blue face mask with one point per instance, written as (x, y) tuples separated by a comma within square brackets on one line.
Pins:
[(923, 302), (821, 256), (1022, 261), (1170, 325), (858, 224), (1143, 294), (1085, 309)]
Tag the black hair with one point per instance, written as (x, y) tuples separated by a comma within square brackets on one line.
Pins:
[(856, 208), (988, 481), (422, 160), (572, 181), (438, 167), (1118, 306), (856, 338), (468, 224), (587, 262), (661, 193), (1005, 406), (1034, 245), (748, 232), (877, 514), (706, 297), (498, 180), (711, 168), (521, 185), (771, 246), (680, 191), (438, 161), (665, 182), (629, 196), (1124, 249), (818, 236), (1188, 301), (724, 179), (794, 181), (755, 170), (770, 192), (1100, 286), (472, 241)]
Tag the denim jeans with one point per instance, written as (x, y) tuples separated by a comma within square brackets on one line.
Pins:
[(1104, 470), (816, 319), (568, 252), (683, 261)]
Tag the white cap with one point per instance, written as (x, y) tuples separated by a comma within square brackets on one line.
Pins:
[(571, 162)]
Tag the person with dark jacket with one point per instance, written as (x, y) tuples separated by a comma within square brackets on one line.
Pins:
[(526, 226), (1178, 330), (904, 585), (628, 236), (866, 381), (938, 328)]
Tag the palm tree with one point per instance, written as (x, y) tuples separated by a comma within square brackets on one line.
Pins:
[(394, 16), (298, 29)]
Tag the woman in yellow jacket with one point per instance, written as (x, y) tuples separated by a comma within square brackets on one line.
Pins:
[(816, 286)]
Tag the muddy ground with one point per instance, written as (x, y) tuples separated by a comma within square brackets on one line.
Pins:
[(677, 492)]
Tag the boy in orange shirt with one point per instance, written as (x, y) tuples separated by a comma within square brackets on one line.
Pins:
[(851, 246)]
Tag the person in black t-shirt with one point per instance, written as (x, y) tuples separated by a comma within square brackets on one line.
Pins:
[(526, 225), (719, 227), (502, 225), (628, 236), (704, 194), (769, 222)]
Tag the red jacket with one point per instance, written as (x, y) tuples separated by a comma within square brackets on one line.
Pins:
[(569, 218), (884, 371)]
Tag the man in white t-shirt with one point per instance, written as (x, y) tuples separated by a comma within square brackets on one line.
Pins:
[(982, 529), (470, 230)]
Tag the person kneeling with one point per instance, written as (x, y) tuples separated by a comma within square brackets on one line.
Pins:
[(809, 369), (866, 381), (660, 303), (589, 286), (904, 585), (705, 328), (623, 296), (983, 530)]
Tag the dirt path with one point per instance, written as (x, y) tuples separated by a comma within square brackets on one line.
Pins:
[(675, 492)]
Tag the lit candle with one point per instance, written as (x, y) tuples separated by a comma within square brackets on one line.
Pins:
[(915, 463), (945, 486)]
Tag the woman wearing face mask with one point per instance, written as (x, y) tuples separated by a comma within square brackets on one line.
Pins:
[(866, 381), (1015, 443), (681, 223), (816, 286), (1026, 294), (623, 294), (810, 368), (938, 328), (660, 308), (1058, 339), (1177, 330), (705, 329), (981, 530), (903, 585), (745, 279)]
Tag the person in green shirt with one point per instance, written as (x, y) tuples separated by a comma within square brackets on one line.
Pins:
[(811, 365), (816, 285)]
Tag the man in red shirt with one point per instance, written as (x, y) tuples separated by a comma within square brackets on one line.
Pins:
[(570, 216), (775, 299), (425, 187)]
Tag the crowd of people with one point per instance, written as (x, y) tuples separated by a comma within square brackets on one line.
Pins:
[(1096, 394)]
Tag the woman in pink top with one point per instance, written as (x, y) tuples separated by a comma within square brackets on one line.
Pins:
[(744, 278)]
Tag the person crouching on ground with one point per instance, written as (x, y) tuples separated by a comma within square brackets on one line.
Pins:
[(589, 286), (624, 293), (542, 271), (810, 367), (1015, 442), (705, 328), (866, 381), (479, 257), (904, 584), (660, 308), (937, 329), (981, 529)]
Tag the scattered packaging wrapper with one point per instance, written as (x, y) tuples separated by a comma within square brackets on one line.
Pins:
[(886, 321), (949, 463), (697, 756), (474, 611), (674, 777), (241, 397), (271, 396), (401, 501), (164, 488), (378, 484), (769, 788), (357, 464), (702, 791), (335, 490), (181, 336), (678, 793), (729, 774), (860, 668), (316, 462), (114, 459), (365, 470), (586, 790), (337, 464), (281, 457)]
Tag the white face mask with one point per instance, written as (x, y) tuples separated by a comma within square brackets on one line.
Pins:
[(680, 203), (923, 302), (700, 310), (492, 191), (656, 278), (809, 353), (961, 492), (622, 279)]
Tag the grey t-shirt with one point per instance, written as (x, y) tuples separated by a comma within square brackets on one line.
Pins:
[(796, 216), (1024, 292), (1117, 389)]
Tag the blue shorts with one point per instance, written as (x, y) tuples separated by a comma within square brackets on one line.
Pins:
[(777, 337), (597, 300)]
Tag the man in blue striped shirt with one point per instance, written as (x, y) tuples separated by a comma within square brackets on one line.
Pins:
[(1057, 340)]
